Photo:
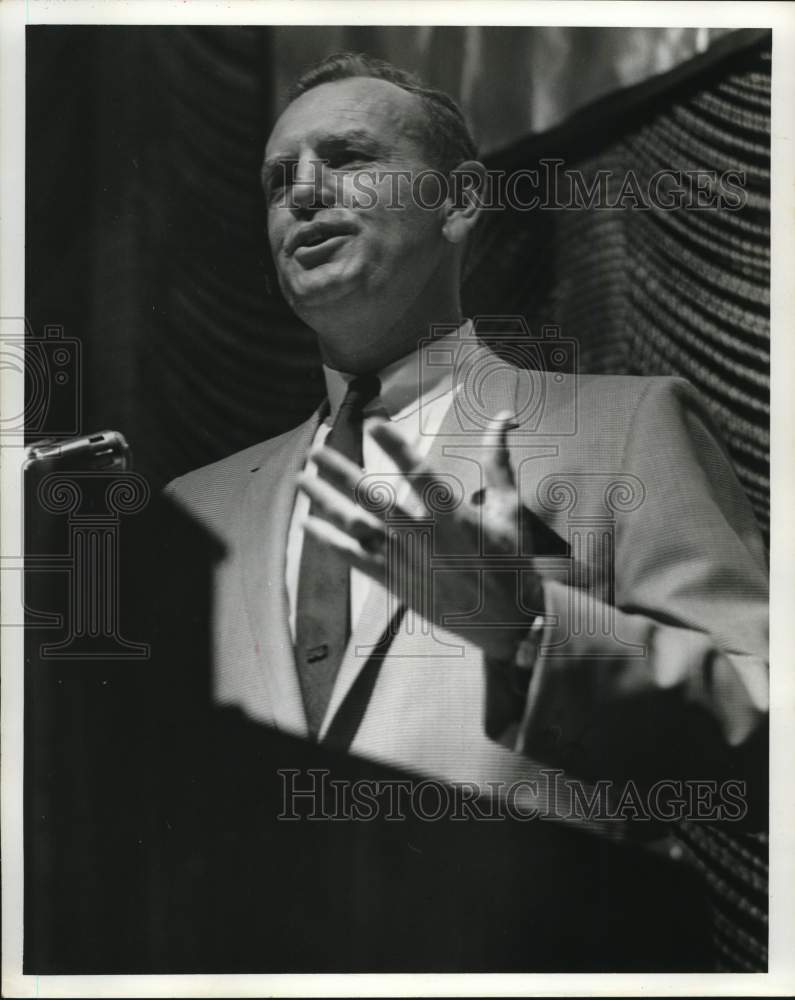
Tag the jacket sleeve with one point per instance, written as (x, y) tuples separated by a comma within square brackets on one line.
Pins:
[(676, 686)]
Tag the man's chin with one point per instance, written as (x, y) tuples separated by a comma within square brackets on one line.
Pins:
[(317, 292)]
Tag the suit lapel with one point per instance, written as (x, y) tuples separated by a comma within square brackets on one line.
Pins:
[(267, 507), (452, 454)]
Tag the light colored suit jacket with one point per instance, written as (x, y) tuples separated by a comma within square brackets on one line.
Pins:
[(654, 660)]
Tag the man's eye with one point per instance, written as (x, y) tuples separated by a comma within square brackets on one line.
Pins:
[(348, 158), (281, 177)]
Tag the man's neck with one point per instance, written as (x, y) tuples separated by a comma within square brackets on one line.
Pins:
[(370, 347), (408, 378)]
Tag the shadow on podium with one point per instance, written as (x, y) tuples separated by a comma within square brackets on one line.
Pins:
[(153, 842)]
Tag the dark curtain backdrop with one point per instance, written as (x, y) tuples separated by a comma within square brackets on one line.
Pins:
[(145, 236)]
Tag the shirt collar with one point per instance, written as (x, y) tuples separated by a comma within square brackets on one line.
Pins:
[(405, 381)]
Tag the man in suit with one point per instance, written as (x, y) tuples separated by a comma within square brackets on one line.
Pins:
[(459, 566)]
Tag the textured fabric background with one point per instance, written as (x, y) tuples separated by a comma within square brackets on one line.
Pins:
[(654, 291)]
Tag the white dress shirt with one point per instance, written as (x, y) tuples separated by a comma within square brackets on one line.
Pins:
[(416, 401)]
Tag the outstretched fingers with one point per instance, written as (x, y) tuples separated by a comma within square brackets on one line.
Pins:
[(370, 563), (331, 504), (336, 469)]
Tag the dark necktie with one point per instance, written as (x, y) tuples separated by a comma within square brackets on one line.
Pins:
[(323, 606)]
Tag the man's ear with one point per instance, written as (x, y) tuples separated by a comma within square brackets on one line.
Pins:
[(464, 201)]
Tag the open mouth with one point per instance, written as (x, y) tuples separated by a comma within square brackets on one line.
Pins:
[(314, 241), (319, 249), (317, 235)]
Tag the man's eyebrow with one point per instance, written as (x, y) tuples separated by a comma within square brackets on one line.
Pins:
[(351, 137)]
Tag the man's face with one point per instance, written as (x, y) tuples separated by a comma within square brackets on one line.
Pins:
[(335, 239)]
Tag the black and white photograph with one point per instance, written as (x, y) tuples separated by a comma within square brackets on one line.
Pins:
[(387, 499)]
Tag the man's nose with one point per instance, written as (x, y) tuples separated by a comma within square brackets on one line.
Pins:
[(312, 188)]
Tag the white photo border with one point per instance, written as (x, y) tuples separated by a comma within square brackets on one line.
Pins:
[(14, 16)]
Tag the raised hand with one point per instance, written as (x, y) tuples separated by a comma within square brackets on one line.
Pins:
[(482, 600)]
